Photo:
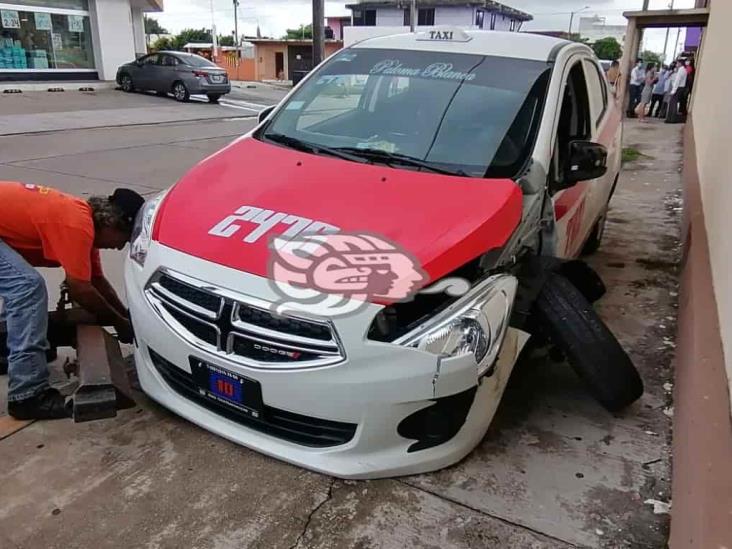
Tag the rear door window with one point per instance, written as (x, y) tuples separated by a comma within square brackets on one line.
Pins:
[(597, 87)]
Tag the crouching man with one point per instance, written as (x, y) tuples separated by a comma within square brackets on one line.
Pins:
[(42, 227)]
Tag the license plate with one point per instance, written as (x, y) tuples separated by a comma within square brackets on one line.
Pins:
[(216, 78), (227, 387)]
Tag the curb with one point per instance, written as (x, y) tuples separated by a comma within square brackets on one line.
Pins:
[(20, 87)]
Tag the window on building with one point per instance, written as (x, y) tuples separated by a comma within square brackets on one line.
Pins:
[(493, 21), (479, 18), (41, 38), (364, 18), (407, 17), (426, 17)]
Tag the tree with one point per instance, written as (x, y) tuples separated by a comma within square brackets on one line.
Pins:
[(226, 40), (304, 32), (163, 43), (608, 48), (649, 56), (191, 35), (152, 26)]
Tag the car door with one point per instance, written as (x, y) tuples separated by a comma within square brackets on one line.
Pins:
[(606, 123), (166, 74), (146, 72), (573, 207)]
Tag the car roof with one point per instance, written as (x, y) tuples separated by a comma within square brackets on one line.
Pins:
[(518, 45)]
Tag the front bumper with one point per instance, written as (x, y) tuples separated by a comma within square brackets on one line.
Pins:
[(374, 389)]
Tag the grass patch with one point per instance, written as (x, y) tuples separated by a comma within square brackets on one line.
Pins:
[(631, 154)]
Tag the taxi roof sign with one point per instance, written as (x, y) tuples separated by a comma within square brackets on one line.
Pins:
[(445, 34)]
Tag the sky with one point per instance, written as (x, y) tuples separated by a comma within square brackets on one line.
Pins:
[(275, 16)]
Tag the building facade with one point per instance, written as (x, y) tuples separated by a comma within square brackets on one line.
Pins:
[(70, 39), (281, 59), (596, 28), (372, 18)]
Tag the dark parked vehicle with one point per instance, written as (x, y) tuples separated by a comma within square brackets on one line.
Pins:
[(182, 74)]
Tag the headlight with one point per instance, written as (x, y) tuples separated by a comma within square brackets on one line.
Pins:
[(476, 324), (142, 229)]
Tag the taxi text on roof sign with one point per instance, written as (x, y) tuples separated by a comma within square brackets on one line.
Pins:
[(445, 35)]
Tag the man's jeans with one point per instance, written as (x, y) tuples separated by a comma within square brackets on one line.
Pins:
[(635, 96), (25, 309)]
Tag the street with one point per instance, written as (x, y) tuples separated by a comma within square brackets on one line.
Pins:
[(555, 469)]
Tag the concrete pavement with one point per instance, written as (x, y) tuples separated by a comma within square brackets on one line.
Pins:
[(555, 469)]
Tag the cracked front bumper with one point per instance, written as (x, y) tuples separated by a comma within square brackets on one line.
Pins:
[(373, 389)]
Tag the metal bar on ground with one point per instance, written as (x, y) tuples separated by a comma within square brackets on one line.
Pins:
[(103, 385)]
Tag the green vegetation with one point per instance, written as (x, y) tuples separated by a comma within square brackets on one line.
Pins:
[(608, 48), (305, 32), (631, 154), (649, 56), (153, 27)]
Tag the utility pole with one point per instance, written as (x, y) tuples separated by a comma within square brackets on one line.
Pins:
[(318, 32), (236, 30), (214, 37), (665, 44), (571, 19), (412, 15)]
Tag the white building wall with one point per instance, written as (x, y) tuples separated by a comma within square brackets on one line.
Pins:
[(503, 23), (389, 17), (462, 16), (112, 35), (138, 31)]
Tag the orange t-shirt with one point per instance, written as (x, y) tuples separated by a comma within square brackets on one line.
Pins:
[(49, 229)]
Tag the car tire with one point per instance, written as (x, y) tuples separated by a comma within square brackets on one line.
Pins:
[(594, 353), (214, 97), (180, 92), (126, 83)]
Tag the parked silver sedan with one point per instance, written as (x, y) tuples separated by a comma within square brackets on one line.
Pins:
[(182, 74)]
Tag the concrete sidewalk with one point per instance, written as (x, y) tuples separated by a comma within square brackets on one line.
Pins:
[(554, 471)]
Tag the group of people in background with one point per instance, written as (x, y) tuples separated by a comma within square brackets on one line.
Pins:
[(660, 92)]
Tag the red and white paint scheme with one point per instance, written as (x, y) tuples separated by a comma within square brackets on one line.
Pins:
[(444, 144)]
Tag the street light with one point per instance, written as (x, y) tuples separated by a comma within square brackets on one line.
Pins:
[(571, 19)]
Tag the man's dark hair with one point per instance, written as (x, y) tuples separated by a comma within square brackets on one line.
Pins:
[(117, 211)]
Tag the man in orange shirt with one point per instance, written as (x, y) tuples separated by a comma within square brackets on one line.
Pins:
[(43, 227)]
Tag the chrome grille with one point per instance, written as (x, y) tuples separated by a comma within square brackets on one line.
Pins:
[(220, 322)]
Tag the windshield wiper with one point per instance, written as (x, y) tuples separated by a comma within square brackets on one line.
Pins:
[(391, 158), (305, 146)]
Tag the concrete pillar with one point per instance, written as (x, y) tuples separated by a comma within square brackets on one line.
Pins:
[(630, 54), (114, 43), (138, 31)]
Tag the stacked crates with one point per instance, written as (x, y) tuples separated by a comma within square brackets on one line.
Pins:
[(37, 59), (12, 55)]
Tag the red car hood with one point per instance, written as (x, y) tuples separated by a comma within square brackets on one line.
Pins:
[(444, 221)]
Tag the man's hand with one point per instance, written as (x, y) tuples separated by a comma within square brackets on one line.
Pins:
[(85, 294)]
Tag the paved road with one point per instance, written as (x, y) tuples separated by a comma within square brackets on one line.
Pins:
[(35, 112), (554, 471)]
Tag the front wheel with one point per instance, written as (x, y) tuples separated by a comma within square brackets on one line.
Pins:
[(591, 349), (214, 97), (180, 92), (126, 83)]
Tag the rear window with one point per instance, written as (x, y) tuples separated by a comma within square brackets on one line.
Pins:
[(196, 60)]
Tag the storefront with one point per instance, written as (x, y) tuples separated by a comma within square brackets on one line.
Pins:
[(70, 39)]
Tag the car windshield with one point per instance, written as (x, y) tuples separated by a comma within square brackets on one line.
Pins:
[(196, 60), (456, 113)]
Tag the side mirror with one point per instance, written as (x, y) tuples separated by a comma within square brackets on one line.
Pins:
[(585, 161), (264, 113)]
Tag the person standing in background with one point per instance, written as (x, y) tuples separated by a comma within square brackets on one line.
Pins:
[(637, 81), (677, 103), (670, 75), (613, 76), (658, 93), (646, 94)]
